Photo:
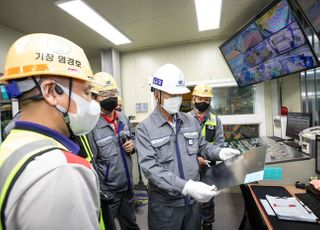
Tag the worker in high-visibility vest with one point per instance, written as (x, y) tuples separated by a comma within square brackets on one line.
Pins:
[(112, 145), (43, 183), (212, 131)]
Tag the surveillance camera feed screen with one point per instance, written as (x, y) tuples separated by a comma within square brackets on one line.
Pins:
[(311, 9), (270, 46)]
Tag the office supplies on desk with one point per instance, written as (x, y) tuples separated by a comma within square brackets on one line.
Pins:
[(267, 207), (289, 208), (272, 173)]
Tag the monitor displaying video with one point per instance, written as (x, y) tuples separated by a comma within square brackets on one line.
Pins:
[(271, 45), (296, 123), (311, 10)]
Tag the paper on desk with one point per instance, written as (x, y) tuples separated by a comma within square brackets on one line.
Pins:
[(267, 207), (289, 208), (255, 176)]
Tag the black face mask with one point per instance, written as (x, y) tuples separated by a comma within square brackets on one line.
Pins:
[(109, 104), (203, 106)]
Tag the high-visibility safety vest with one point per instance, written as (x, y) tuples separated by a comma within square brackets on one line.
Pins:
[(15, 159), (89, 157), (87, 148), (208, 129)]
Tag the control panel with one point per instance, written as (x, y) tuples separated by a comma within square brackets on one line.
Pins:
[(277, 152)]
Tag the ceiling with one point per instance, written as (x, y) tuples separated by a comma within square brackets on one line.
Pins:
[(148, 23)]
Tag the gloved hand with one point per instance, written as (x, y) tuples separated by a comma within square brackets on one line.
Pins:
[(226, 153), (199, 191)]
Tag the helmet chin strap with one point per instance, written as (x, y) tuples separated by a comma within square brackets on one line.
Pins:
[(66, 116), (37, 97), (65, 111), (159, 101)]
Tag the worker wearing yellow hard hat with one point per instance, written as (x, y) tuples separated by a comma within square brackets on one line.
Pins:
[(50, 77), (112, 145), (212, 131)]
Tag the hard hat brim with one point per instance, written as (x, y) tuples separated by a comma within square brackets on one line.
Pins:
[(5, 79), (203, 95), (182, 90)]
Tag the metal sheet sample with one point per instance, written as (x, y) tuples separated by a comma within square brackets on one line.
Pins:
[(236, 170)]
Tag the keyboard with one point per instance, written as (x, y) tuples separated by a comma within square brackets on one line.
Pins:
[(292, 144), (312, 201), (276, 138)]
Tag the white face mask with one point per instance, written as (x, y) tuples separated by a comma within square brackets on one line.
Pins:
[(172, 105), (87, 115)]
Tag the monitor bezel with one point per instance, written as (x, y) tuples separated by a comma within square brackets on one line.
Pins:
[(300, 114), (307, 19), (261, 12), (317, 154)]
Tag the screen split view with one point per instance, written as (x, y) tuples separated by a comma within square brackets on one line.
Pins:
[(272, 45)]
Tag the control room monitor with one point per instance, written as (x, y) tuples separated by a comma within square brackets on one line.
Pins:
[(297, 122)]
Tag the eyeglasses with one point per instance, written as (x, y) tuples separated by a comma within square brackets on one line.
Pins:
[(107, 94)]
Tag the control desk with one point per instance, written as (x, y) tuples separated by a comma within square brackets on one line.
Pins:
[(277, 152)]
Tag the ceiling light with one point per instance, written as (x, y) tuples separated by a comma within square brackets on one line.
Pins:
[(208, 14), (87, 15)]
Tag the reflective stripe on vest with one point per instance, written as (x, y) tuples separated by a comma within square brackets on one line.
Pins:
[(102, 225), (87, 148), (211, 121), (12, 167)]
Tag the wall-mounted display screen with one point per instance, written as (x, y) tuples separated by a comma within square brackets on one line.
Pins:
[(311, 10), (271, 45)]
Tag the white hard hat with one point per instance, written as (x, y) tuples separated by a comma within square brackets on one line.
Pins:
[(170, 79)]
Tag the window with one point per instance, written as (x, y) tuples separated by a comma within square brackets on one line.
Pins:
[(238, 132), (310, 84), (234, 100), (243, 108)]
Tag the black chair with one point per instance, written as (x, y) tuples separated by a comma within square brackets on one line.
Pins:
[(251, 211)]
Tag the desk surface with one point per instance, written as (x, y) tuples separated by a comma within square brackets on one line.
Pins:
[(290, 188)]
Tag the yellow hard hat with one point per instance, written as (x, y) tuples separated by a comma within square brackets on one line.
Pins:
[(104, 81), (202, 90), (45, 54), (119, 101)]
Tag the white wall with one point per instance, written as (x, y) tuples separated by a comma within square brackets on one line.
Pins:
[(7, 37), (199, 61), (95, 63), (291, 94), (268, 110)]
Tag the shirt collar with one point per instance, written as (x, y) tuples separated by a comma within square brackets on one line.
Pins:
[(25, 125), (110, 119), (200, 118)]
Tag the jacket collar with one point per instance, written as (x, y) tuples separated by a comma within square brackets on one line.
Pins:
[(159, 119), (25, 125)]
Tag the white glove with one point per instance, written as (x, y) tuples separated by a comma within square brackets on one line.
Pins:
[(199, 191), (226, 153)]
